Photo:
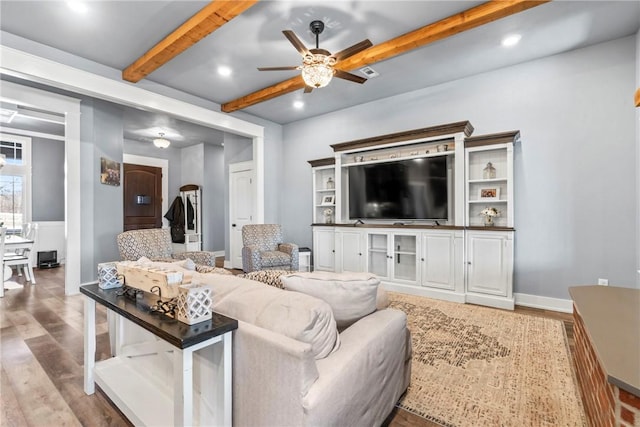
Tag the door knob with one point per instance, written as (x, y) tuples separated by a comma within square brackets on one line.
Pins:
[(233, 225)]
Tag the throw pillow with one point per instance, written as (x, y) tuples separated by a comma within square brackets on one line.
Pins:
[(301, 317), (350, 295), (186, 264), (269, 277)]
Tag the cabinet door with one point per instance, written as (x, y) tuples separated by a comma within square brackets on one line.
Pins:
[(404, 259), (378, 254), (438, 261), (351, 251), (324, 249), (488, 263)]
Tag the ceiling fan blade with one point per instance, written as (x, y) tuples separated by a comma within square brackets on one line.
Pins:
[(348, 76), (352, 50), (291, 67), (308, 89), (295, 41)]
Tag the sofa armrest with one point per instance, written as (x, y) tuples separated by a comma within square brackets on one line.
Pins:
[(271, 373), (251, 258), (292, 250), (199, 257), (370, 370)]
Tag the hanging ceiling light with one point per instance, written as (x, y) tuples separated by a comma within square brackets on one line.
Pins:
[(161, 142), (317, 68)]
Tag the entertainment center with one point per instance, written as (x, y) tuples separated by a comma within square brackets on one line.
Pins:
[(409, 208)]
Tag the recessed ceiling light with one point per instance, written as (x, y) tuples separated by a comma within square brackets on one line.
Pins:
[(224, 71), (298, 104), (77, 6), (511, 40)]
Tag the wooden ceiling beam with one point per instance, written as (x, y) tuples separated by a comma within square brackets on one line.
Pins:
[(210, 18), (447, 27)]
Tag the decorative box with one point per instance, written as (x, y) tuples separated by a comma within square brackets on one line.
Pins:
[(108, 276), (147, 277), (193, 304)]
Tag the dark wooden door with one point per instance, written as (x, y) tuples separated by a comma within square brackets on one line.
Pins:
[(142, 191)]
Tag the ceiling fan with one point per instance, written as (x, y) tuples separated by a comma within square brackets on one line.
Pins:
[(318, 65)]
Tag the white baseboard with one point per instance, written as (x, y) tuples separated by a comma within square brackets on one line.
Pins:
[(218, 253), (227, 264), (425, 292), (545, 303)]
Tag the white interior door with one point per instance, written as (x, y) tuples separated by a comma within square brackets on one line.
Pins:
[(241, 207)]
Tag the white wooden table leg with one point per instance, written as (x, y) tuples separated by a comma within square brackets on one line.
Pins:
[(228, 390), (182, 387), (89, 344)]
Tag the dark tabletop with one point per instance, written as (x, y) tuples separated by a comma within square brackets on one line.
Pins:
[(171, 330)]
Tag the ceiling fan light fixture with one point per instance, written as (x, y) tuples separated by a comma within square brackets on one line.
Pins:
[(317, 70), (161, 142)]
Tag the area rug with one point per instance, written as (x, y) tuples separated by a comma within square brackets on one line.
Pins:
[(478, 366)]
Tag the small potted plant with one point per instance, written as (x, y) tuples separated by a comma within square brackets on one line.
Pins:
[(489, 214)]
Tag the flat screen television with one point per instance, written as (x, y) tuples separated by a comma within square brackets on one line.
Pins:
[(413, 189)]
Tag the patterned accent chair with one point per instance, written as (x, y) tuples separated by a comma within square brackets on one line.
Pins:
[(263, 249), (155, 244)]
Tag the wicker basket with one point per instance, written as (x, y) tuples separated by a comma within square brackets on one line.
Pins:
[(193, 304)]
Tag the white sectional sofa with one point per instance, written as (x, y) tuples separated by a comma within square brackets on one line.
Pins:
[(291, 366)]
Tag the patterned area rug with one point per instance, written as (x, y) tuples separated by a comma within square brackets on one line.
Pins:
[(477, 366)]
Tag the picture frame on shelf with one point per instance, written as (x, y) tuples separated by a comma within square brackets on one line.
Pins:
[(489, 193), (328, 200)]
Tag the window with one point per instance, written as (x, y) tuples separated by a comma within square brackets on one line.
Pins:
[(15, 182)]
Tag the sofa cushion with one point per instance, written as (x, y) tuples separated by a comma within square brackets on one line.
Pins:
[(350, 295), (295, 315)]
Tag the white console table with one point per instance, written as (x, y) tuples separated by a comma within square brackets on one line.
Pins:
[(143, 399)]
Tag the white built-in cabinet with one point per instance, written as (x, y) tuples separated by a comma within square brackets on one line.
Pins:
[(392, 255), (490, 267), (324, 192), (324, 249), (351, 247), (461, 260)]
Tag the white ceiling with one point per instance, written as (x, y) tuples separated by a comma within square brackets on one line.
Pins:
[(116, 33)]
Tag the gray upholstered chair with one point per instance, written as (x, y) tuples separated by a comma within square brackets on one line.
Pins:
[(155, 244), (263, 249)]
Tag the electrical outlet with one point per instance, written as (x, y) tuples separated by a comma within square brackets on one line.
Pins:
[(603, 282)]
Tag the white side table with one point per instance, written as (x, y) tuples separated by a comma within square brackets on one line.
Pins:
[(304, 261), (142, 398)]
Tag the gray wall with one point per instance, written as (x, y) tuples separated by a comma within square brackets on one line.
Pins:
[(47, 179), (108, 204), (575, 192), (213, 206)]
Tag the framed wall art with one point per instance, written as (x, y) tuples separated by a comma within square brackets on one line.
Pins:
[(109, 172), (489, 193), (328, 200)]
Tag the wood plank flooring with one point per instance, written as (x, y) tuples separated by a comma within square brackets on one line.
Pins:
[(41, 359)]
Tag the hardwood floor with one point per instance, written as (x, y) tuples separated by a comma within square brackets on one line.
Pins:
[(41, 359)]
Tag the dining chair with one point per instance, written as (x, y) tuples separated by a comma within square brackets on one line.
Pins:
[(18, 260), (29, 232)]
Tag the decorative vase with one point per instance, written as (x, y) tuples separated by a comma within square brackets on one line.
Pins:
[(489, 172), (488, 221), (330, 184), (328, 219)]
